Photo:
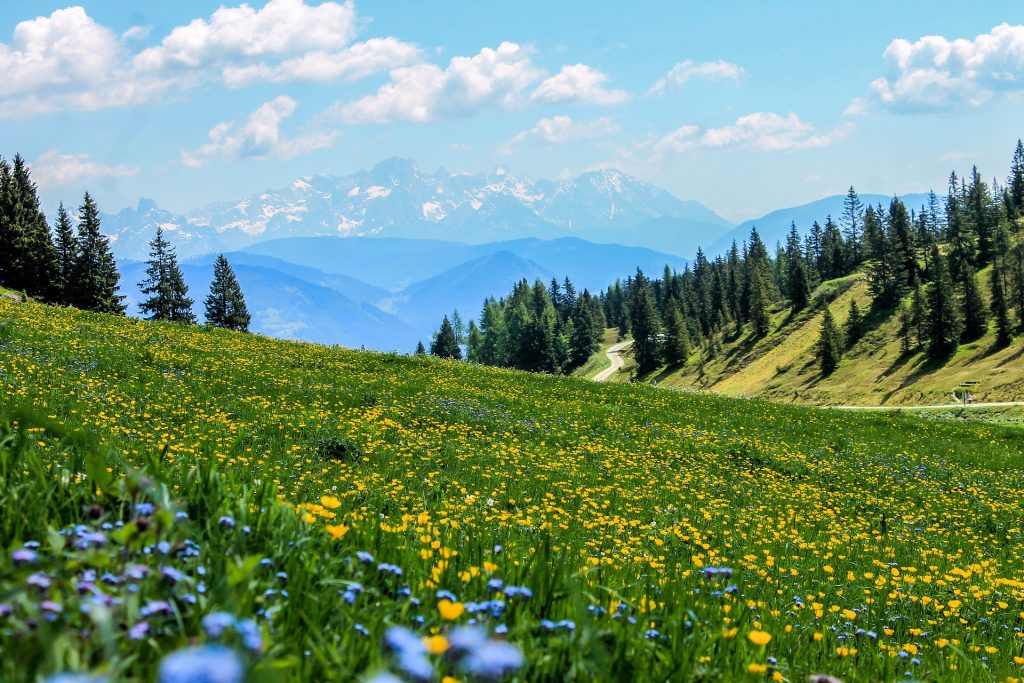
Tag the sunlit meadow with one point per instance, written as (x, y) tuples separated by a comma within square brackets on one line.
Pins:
[(289, 505)]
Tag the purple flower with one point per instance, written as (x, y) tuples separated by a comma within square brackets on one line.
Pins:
[(171, 574), (216, 623), (137, 572), (39, 580), (208, 664), (139, 631), (24, 556), (51, 607), (227, 522), (156, 607)]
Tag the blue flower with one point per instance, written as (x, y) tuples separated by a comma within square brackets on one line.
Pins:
[(145, 509), (493, 659), (208, 664), (410, 652), (76, 678), (252, 638), (24, 556), (364, 557), (138, 631), (227, 522), (216, 623), (518, 592)]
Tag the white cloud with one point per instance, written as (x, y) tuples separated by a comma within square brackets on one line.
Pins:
[(857, 107), (68, 61), (759, 131), (935, 73), (259, 137), (682, 72), (578, 83), (557, 130), (493, 78), (281, 27), (53, 169)]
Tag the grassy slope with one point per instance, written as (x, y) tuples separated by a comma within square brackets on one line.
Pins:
[(782, 366), (599, 495)]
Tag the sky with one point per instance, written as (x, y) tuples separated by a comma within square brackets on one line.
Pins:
[(746, 106)]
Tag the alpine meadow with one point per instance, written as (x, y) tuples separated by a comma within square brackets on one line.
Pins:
[(342, 341)]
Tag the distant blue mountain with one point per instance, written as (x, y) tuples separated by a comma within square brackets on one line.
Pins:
[(774, 226)]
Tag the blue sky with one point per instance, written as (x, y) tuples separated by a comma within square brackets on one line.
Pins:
[(746, 108)]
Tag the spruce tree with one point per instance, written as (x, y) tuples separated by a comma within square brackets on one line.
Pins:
[(225, 304), (919, 318), (94, 275), (164, 285), (944, 324), (854, 325), (28, 261), (878, 251), (11, 238), (474, 342), (1000, 311), (1016, 180), (420, 349), (444, 345), (853, 209), (797, 289), (583, 342), (975, 313), (901, 238), (645, 326), (829, 347), (66, 247), (677, 341)]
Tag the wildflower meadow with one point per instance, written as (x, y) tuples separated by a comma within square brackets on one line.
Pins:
[(184, 504)]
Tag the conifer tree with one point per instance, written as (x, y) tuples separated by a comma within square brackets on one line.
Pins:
[(28, 260), (94, 276), (853, 209), (677, 341), (164, 285), (458, 327), (444, 345), (797, 288), (474, 342), (420, 349), (66, 247), (944, 326), (975, 313), (919, 318), (1000, 311), (225, 304), (981, 216), (582, 342), (854, 325), (879, 254), (11, 237), (829, 348), (645, 326), (902, 242), (1016, 180)]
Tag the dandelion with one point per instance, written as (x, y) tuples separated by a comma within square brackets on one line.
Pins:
[(450, 610), (759, 638), (336, 530)]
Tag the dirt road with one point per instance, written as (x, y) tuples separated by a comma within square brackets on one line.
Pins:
[(614, 354)]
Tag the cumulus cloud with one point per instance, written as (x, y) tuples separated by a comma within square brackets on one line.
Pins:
[(935, 73), (492, 79), (557, 130), (53, 169), (578, 83), (759, 131), (259, 137), (688, 70), (69, 61)]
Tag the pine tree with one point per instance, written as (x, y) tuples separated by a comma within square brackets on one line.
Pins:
[(94, 276), (879, 254), (981, 215), (66, 247), (1016, 180), (797, 288), (901, 238), (458, 327), (854, 325), (1000, 311), (474, 342), (944, 324), (645, 325), (225, 304), (853, 209), (829, 348), (582, 342), (919, 318), (420, 349), (756, 285), (11, 237), (27, 255), (975, 313), (444, 345), (164, 285), (677, 341)]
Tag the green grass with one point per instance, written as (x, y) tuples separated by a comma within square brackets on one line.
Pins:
[(607, 501)]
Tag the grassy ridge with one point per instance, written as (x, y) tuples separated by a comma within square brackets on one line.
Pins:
[(864, 545), (875, 371)]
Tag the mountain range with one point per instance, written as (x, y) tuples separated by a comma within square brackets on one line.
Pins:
[(396, 199)]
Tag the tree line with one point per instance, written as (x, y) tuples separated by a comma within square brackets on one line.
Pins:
[(921, 264), (73, 265), (538, 327)]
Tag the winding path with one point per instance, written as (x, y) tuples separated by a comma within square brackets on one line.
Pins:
[(614, 354), (945, 406)]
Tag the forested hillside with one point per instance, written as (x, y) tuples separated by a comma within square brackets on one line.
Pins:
[(883, 303)]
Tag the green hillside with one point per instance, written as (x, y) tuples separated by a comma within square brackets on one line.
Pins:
[(163, 485), (782, 366)]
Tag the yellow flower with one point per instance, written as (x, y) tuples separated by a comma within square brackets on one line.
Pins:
[(759, 637), (435, 645), (757, 668), (818, 636), (336, 530), (450, 610), (941, 643), (849, 614), (777, 676), (330, 502)]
